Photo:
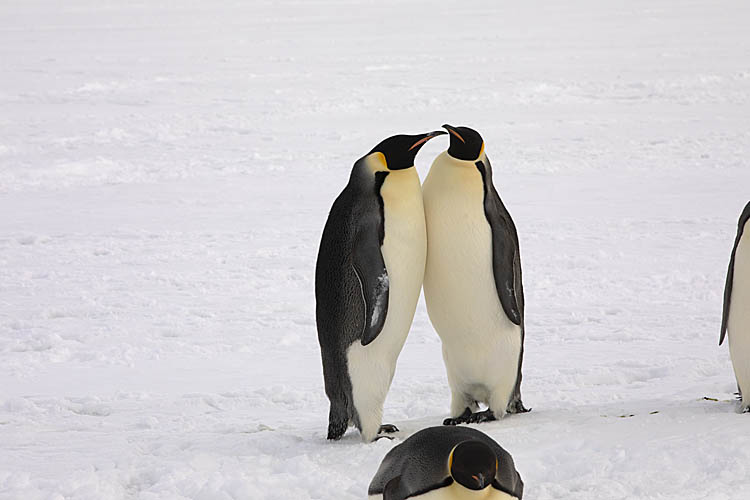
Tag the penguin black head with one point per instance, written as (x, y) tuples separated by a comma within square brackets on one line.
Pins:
[(466, 143), (473, 465), (400, 150)]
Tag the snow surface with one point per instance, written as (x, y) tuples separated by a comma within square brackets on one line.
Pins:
[(166, 169)]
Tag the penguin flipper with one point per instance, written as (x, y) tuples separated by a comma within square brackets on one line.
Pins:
[(727, 295), (369, 266), (505, 258)]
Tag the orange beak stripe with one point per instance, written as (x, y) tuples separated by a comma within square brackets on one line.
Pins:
[(421, 141), (457, 135)]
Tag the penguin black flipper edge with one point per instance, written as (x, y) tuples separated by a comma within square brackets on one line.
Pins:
[(728, 294), (504, 258)]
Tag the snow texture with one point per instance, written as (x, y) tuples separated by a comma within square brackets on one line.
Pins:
[(166, 169)]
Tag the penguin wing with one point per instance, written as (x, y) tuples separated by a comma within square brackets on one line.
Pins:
[(506, 259), (369, 267), (728, 294), (351, 282)]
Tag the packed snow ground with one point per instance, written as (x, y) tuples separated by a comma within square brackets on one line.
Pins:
[(165, 173)]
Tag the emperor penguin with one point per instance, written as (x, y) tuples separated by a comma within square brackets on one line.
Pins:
[(736, 316), (472, 283), (447, 463), (367, 282)]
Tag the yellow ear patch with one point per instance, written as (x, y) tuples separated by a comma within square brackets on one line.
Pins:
[(481, 151), (377, 163), (450, 460)]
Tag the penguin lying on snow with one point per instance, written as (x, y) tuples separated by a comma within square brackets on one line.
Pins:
[(367, 282), (736, 316), (472, 283), (442, 463)]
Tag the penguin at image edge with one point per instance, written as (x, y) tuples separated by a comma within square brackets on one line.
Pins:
[(368, 279), (447, 463), (472, 286), (735, 321)]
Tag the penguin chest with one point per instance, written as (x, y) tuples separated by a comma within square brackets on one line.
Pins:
[(480, 343), (457, 492), (404, 250), (738, 324)]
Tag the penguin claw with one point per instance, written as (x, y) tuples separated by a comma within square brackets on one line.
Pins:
[(461, 419), (388, 429), (482, 416), (517, 407)]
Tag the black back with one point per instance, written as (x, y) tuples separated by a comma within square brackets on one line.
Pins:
[(351, 285), (420, 464), (730, 273), (506, 267)]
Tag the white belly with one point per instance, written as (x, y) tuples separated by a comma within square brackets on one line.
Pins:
[(404, 249), (481, 346), (738, 325), (457, 492)]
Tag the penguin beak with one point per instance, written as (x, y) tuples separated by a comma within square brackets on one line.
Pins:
[(480, 479), (452, 131), (426, 137)]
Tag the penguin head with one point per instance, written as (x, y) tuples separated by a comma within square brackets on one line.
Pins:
[(473, 465), (399, 151), (466, 143)]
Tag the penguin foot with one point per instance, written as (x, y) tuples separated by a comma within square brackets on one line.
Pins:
[(336, 430), (461, 419), (388, 429), (482, 416), (517, 407)]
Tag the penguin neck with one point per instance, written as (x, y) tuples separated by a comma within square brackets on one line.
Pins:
[(447, 159), (375, 162), (402, 187), (398, 186)]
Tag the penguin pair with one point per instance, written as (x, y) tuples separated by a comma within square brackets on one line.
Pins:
[(447, 463), (735, 319), (380, 243)]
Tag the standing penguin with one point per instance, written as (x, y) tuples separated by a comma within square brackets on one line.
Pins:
[(367, 282), (736, 316), (447, 463), (472, 283)]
